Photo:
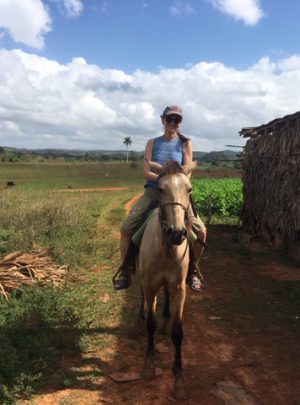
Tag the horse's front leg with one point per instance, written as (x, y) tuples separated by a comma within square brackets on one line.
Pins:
[(142, 306), (179, 391), (149, 367), (139, 327), (166, 311)]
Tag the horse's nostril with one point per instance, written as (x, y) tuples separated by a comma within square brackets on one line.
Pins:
[(183, 235), (170, 230)]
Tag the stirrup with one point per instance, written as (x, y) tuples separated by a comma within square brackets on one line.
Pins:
[(122, 279), (194, 270)]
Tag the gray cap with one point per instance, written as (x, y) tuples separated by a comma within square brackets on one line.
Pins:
[(172, 109)]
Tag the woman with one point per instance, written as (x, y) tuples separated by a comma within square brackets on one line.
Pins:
[(172, 145)]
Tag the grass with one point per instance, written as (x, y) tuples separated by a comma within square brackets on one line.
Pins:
[(44, 176), (40, 326)]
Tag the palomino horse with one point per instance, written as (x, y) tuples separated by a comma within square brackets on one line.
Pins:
[(163, 261)]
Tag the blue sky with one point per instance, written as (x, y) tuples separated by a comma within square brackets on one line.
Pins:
[(85, 74)]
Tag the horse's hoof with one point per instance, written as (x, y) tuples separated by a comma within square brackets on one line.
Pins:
[(148, 372), (179, 391)]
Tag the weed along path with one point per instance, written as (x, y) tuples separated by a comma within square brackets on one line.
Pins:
[(241, 334)]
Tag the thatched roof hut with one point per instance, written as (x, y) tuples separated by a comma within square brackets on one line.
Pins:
[(272, 182)]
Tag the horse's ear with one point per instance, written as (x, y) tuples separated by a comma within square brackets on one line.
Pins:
[(156, 167), (189, 167)]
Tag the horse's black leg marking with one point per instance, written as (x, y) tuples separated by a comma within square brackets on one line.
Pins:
[(177, 337), (166, 310), (151, 327), (148, 372), (142, 307)]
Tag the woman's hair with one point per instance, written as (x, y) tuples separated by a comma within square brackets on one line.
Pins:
[(183, 138)]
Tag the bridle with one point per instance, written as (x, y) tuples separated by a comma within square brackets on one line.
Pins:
[(163, 221), (164, 224)]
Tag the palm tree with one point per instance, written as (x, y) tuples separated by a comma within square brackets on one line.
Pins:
[(127, 142)]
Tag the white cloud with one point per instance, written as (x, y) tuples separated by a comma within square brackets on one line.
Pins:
[(11, 127), (291, 63), (71, 8), (102, 7), (77, 105), (248, 11), (181, 8), (26, 21)]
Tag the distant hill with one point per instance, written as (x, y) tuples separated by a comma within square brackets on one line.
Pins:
[(209, 157), (16, 154)]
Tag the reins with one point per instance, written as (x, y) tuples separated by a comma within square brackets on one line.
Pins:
[(179, 261)]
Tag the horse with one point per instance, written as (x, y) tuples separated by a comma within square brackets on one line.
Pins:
[(163, 262)]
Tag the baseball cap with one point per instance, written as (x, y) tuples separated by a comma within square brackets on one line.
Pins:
[(172, 109)]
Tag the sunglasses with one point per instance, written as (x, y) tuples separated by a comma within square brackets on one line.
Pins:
[(176, 119)]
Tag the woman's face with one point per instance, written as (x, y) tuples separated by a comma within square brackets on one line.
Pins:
[(171, 122)]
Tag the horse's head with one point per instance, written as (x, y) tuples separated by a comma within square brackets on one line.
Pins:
[(174, 188)]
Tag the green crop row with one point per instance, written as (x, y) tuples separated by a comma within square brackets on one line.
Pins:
[(218, 197)]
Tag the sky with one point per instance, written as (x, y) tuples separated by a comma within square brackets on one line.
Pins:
[(85, 74)]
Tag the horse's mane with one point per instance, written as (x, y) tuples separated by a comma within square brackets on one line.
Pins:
[(170, 167)]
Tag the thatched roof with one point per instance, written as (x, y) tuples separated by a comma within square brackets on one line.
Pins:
[(268, 129), (272, 179)]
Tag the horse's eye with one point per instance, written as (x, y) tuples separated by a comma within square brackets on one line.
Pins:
[(160, 190), (190, 190)]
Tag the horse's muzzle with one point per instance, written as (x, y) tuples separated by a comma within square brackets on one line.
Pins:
[(176, 236)]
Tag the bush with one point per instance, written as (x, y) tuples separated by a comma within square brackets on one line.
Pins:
[(220, 197)]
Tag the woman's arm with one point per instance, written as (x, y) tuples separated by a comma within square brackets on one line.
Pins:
[(148, 156), (187, 153)]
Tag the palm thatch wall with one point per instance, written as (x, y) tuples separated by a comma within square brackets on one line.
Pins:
[(272, 181)]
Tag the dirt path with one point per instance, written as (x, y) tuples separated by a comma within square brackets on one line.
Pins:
[(85, 190), (241, 338)]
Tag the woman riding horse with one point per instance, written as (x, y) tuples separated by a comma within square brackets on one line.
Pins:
[(172, 145)]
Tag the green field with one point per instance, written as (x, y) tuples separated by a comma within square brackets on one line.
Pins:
[(44, 176), (221, 198)]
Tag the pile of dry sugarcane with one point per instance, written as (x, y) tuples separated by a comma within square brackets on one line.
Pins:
[(272, 180), (25, 268)]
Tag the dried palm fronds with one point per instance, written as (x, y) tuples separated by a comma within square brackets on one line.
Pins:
[(271, 181), (25, 268)]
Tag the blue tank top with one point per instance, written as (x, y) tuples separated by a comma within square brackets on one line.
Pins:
[(164, 150)]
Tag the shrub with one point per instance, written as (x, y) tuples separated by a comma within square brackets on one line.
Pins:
[(220, 197)]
